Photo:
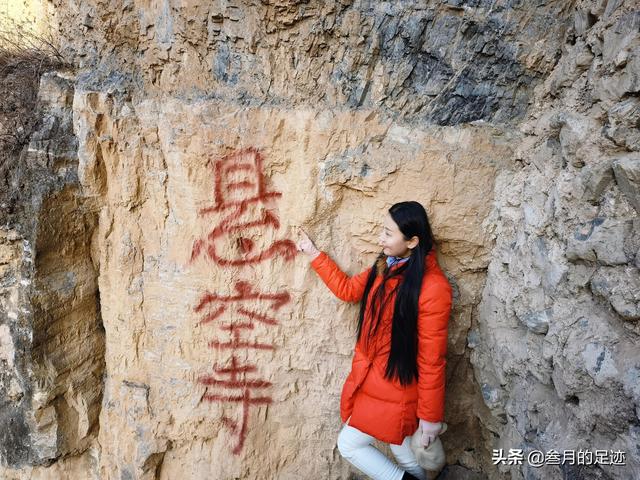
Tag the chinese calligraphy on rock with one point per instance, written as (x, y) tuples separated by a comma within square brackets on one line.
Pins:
[(241, 195), (245, 205)]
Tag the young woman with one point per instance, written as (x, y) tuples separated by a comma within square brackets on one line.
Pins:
[(397, 379)]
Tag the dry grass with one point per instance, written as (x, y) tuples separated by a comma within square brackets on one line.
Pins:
[(24, 57)]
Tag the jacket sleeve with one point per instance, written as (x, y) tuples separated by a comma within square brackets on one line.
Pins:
[(433, 324), (349, 289)]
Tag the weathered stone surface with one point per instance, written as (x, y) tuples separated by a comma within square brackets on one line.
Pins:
[(515, 124), (595, 180), (623, 119), (601, 240), (556, 343), (325, 175), (51, 338), (621, 287), (627, 171), (439, 62)]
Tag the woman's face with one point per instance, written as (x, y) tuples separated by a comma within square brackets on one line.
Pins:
[(392, 240)]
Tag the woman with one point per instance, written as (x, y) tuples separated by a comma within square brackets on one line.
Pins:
[(397, 379)]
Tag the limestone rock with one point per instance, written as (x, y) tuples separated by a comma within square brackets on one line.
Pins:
[(621, 287), (157, 322), (51, 338), (600, 240), (627, 171)]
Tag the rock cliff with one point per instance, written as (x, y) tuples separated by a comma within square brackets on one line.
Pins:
[(157, 322)]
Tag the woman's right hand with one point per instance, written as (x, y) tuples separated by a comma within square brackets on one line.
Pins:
[(430, 431), (305, 245)]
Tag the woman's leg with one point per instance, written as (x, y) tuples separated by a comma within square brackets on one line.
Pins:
[(355, 446), (407, 460)]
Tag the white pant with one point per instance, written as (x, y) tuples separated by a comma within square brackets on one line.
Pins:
[(355, 447)]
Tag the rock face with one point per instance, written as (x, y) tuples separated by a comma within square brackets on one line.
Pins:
[(157, 320), (557, 337), (51, 336)]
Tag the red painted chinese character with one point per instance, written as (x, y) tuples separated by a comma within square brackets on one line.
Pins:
[(212, 306), (244, 397), (240, 193), (244, 292)]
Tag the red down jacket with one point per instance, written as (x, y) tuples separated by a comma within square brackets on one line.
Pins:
[(380, 407)]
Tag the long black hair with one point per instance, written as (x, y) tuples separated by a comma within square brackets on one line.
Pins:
[(412, 220)]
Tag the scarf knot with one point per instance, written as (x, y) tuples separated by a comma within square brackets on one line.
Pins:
[(391, 260)]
